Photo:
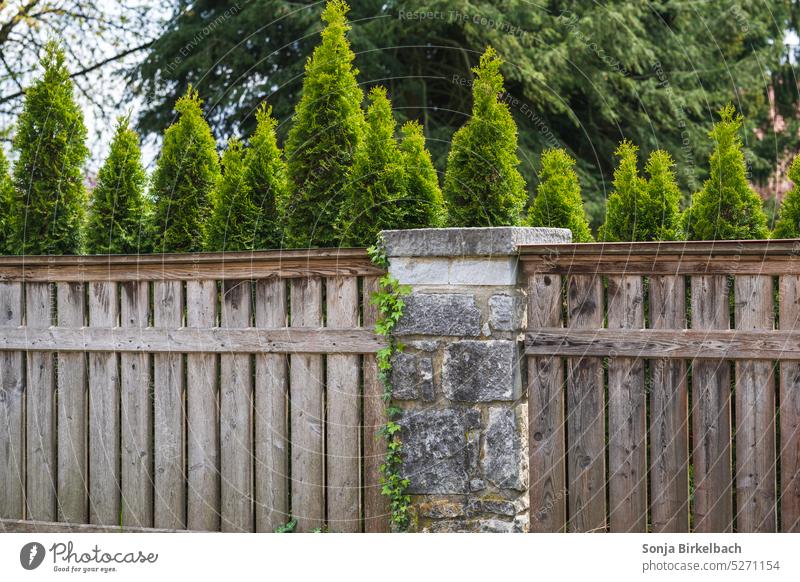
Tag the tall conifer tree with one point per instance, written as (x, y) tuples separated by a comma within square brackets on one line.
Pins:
[(788, 225), (423, 204), (6, 197)]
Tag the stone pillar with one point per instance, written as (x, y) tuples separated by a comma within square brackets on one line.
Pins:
[(459, 379)]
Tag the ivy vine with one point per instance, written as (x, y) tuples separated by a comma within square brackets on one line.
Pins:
[(389, 301)]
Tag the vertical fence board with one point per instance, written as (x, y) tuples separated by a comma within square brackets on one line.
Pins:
[(755, 413), (306, 410), (12, 479), (40, 422), (627, 446), (136, 413), (669, 415), (711, 417), (72, 412), (548, 511), (790, 410), (586, 413), (202, 416), (376, 505), (168, 413), (343, 430), (104, 398), (236, 399), (271, 423)]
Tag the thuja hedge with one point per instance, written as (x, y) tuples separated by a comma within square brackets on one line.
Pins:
[(346, 173)]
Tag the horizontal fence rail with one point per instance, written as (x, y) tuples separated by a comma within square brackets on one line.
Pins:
[(664, 386), (208, 391)]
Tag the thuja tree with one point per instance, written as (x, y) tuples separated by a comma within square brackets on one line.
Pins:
[(232, 225), (558, 201), (726, 207), (377, 178), (788, 224), (117, 211), (6, 193), (483, 186), (266, 177), (326, 130), (185, 175), (639, 209), (423, 205), (49, 197)]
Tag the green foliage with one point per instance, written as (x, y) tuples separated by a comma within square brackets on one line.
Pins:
[(234, 218), (326, 130), (267, 179), (390, 304), (49, 197), (558, 201), (423, 203), (118, 208), (6, 197), (482, 185), (788, 225), (639, 209), (726, 208), (377, 180), (287, 527), (186, 173)]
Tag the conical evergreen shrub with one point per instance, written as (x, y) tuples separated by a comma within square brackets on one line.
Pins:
[(326, 130), (49, 199), (6, 197), (378, 180), (726, 208), (234, 217), (267, 179), (482, 185), (788, 224), (639, 209), (185, 176), (423, 205), (558, 202), (118, 208)]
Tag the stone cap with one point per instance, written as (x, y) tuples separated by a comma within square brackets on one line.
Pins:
[(468, 242)]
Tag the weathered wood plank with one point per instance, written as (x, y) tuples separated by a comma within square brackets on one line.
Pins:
[(236, 402), (193, 340), (73, 501), (711, 416), (669, 414), (376, 506), (548, 495), (306, 411), (104, 402), (40, 435), (202, 414), (627, 445), (25, 526), (12, 411), (168, 414), (790, 410), (755, 413), (342, 449), (271, 414), (585, 413), (190, 266), (662, 343), (136, 413)]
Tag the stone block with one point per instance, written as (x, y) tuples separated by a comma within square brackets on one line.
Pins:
[(506, 312), (436, 450), (481, 371), (412, 377), (505, 458), (468, 242), (449, 314)]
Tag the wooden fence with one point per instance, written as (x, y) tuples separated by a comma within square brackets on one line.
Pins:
[(664, 386), (227, 392)]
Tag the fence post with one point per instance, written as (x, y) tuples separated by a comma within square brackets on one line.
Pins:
[(459, 378)]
